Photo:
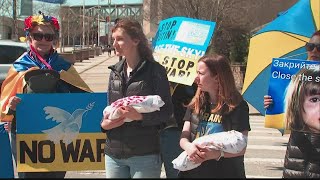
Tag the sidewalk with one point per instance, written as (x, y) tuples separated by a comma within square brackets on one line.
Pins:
[(86, 65), (95, 71)]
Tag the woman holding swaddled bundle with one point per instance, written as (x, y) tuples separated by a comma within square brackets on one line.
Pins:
[(216, 107), (132, 148)]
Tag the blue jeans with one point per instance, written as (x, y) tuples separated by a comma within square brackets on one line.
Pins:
[(170, 149), (148, 166)]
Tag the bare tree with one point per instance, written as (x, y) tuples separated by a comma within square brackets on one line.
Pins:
[(46, 8), (71, 23), (7, 20), (234, 19), (6, 8), (229, 15)]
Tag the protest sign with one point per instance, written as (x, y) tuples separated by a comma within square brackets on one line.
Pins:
[(6, 165), (282, 71), (60, 132), (178, 45)]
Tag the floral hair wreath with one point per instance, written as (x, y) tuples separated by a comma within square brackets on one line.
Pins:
[(32, 21)]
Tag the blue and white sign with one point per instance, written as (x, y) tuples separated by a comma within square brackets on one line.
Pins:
[(178, 45), (282, 71)]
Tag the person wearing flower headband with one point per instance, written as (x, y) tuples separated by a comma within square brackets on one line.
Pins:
[(42, 60)]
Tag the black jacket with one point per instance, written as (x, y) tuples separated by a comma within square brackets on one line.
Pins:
[(181, 97), (302, 158), (138, 137)]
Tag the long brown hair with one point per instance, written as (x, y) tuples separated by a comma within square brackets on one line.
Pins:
[(134, 29), (228, 96)]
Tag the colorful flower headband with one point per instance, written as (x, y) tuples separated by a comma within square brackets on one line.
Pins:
[(32, 21)]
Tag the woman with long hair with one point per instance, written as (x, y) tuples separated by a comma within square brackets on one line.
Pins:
[(132, 148), (216, 107)]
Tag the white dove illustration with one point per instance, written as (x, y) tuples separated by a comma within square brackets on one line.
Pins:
[(69, 124)]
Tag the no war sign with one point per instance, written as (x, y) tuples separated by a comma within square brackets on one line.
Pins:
[(60, 132)]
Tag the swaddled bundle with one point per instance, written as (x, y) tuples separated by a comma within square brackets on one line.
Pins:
[(142, 104), (230, 142)]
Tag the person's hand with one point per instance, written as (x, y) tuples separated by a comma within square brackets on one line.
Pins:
[(267, 101), (130, 113), (13, 101), (194, 154), (110, 124), (7, 126), (209, 153)]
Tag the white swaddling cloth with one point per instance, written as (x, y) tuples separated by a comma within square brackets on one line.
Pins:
[(142, 104), (230, 142)]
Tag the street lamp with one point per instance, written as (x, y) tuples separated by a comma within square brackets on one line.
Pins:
[(109, 22), (98, 23), (99, 8), (83, 14)]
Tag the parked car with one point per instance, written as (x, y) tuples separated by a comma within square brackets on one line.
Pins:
[(9, 52)]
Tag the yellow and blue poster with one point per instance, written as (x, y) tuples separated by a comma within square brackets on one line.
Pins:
[(60, 132), (178, 45), (282, 71)]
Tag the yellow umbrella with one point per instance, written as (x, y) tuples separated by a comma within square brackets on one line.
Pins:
[(284, 37)]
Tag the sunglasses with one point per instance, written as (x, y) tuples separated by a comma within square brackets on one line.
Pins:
[(311, 46), (39, 36)]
